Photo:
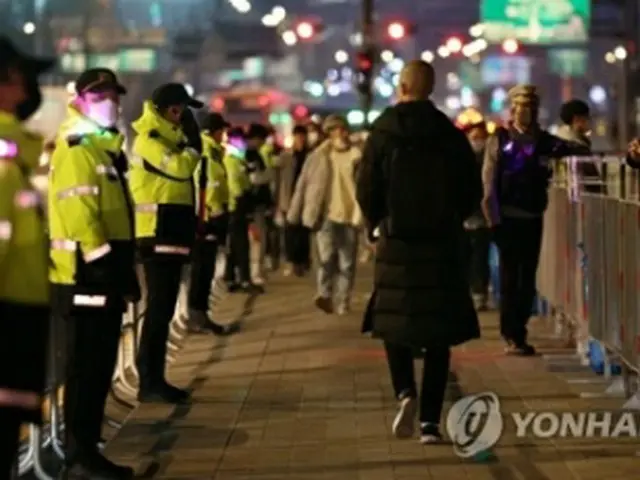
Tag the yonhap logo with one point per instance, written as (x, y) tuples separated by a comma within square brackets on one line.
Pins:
[(474, 424)]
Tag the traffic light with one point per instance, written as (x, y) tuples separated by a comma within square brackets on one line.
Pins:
[(510, 46), (364, 69), (305, 30)]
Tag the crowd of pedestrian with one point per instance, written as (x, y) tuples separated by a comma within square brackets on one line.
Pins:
[(425, 197)]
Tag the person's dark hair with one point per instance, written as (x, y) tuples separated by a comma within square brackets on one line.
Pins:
[(299, 130), (257, 130), (572, 109)]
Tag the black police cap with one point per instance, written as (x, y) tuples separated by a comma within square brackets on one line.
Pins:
[(171, 94), (10, 56), (98, 80)]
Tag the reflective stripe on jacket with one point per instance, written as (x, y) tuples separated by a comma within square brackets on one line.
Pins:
[(89, 208), (161, 181), (23, 244)]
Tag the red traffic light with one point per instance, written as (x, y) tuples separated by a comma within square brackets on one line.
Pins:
[(397, 30), (365, 62), (305, 30)]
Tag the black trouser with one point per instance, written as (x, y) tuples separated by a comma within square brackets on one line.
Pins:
[(297, 241), (435, 375), (519, 241), (274, 243), (163, 276), (93, 336), (203, 267), (238, 269), (479, 243), (9, 441)]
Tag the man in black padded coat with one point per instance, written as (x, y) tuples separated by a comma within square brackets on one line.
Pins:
[(418, 181)]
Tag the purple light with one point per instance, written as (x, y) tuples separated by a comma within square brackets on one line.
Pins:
[(508, 147), (8, 149)]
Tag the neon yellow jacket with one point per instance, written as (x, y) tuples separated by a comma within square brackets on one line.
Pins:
[(217, 191), (237, 177), (90, 215), (267, 153), (23, 243), (161, 182)]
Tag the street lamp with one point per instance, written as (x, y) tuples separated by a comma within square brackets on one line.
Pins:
[(29, 28), (289, 38), (620, 53), (427, 56), (386, 56), (443, 51), (341, 56)]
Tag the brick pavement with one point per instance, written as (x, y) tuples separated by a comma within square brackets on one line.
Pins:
[(300, 395)]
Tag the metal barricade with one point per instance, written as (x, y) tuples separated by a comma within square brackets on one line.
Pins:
[(589, 269)]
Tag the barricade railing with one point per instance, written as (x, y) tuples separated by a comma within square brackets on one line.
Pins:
[(589, 271), (41, 442)]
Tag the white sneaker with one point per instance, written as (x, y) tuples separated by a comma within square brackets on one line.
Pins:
[(404, 424), (343, 310)]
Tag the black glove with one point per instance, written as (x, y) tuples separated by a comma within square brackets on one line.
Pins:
[(191, 130)]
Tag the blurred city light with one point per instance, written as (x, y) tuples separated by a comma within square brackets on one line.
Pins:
[(396, 65), (334, 90), (427, 56), (289, 38), (396, 31), (241, 6), (385, 89), (189, 88), (476, 30), (386, 56), (443, 51), (453, 103), (454, 44), (305, 30), (29, 28), (598, 94), (275, 17), (620, 52), (610, 57), (341, 56), (510, 46), (356, 39)]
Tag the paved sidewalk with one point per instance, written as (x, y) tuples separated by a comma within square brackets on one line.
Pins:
[(301, 395)]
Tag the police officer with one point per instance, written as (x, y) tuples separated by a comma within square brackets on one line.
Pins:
[(92, 255), (238, 266), (213, 200), (161, 181), (516, 174), (24, 289)]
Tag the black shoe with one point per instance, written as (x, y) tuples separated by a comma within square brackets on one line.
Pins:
[(98, 468), (216, 329), (523, 350), (166, 393), (430, 433)]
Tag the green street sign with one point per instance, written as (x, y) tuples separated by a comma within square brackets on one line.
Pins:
[(538, 22), (568, 62)]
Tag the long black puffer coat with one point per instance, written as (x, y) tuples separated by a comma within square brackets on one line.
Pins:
[(421, 292)]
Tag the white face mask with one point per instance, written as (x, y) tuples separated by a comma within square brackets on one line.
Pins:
[(104, 113)]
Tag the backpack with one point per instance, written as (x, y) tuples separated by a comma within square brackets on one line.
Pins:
[(418, 177)]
